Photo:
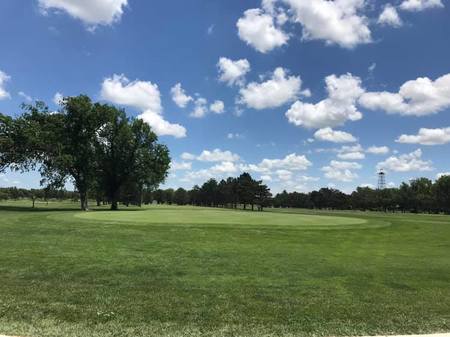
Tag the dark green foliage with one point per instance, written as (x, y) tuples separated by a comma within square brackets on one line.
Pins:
[(94, 145), (419, 196), (243, 190), (441, 191), (181, 197), (128, 156)]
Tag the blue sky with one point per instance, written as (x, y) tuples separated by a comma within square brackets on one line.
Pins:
[(300, 93)]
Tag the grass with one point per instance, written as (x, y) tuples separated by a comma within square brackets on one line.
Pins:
[(182, 271)]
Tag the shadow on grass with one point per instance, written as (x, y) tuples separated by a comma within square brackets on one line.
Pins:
[(16, 208), (36, 209)]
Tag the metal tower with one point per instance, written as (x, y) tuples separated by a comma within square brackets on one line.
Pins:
[(381, 180)]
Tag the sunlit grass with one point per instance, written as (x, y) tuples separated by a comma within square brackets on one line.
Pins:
[(169, 271)]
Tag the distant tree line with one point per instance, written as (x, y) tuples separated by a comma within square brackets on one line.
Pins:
[(243, 191), (108, 156), (43, 194), (419, 195)]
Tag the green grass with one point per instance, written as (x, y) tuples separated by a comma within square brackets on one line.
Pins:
[(182, 271)]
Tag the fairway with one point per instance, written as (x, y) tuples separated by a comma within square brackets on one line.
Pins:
[(203, 216), (185, 271)]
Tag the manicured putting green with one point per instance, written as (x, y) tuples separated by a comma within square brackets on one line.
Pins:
[(190, 216)]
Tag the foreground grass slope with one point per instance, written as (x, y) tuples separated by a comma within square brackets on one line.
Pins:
[(180, 271)]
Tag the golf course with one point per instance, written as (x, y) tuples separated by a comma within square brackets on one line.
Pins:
[(192, 271)]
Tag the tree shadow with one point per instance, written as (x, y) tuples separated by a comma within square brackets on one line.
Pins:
[(30, 209)]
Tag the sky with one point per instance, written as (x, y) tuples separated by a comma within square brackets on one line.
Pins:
[(302, 94)]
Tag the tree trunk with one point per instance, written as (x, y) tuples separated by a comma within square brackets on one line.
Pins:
[(114, 206), (84, 201)]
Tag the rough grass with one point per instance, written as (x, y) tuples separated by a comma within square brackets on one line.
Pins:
[(200, 272)]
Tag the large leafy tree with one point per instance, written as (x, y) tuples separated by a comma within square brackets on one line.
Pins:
[(127, 153), (77, 156), (60, 145), (95, 145)]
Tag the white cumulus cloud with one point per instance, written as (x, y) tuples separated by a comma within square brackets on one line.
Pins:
[(389, 17), (200, 108), (419, 97), (336, 22), (275, 92), (179, 96), (91, 12), (291, 162), (3, 79), (341, 170), (420, 5), (427, 137), (217, 107), (354, 152), (406, 163), (351, 156), (218, 155), (225, 167), (335, 110), (233, 72), (259, 30), (330, 135), (144, 96), (180, 166), (187, 156), (442, 174), (284, 174), (378, 150)]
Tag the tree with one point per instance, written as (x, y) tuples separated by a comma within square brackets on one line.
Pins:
[(442, 193), (195, 195), (422, 194), (158, 196), (128, 153), (180, 196), (168, 195), (208, 193), (60, 144), (246, 189), (262, 195)]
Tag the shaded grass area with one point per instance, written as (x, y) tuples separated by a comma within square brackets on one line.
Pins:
[(63, 273)]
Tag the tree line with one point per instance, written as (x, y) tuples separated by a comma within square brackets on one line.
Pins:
[(418, 195), (107, 155), (34, 194), (242, 191)]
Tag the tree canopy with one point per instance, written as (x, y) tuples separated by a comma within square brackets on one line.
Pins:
[(94, 145)]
